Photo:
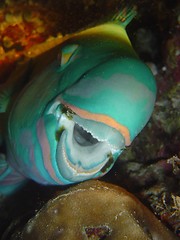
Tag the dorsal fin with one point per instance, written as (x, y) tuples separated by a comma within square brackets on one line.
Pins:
[(124, 17)]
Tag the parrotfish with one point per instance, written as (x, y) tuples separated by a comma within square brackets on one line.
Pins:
[(76, 116)]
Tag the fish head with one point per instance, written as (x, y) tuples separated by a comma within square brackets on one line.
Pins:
[(107, 97)]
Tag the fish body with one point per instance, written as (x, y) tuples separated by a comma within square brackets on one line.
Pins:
[(76, 116)]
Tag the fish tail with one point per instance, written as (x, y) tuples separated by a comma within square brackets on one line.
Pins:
[(10, 180), (124, 16)]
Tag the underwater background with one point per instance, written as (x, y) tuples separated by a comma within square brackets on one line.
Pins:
[(150, 167)]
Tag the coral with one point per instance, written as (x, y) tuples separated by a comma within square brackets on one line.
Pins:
[(95, 210)]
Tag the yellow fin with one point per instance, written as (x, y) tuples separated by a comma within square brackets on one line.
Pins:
[(67, 53), (124, 17)]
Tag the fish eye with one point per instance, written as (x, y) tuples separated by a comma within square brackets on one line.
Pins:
[(82, 137)]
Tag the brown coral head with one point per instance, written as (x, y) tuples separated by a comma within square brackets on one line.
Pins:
[(95, 210)]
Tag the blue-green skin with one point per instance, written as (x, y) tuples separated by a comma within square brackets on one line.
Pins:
[(120, 86)]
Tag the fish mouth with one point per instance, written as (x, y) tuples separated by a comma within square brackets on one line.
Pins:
[(76, 172), (81, 152)]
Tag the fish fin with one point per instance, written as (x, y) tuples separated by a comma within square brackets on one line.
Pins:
[(10, 180), (124, 16), (66, 54), (5, 96), (3, 124), (13, 85)]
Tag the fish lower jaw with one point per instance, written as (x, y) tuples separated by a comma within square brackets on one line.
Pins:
[(75, 172)]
